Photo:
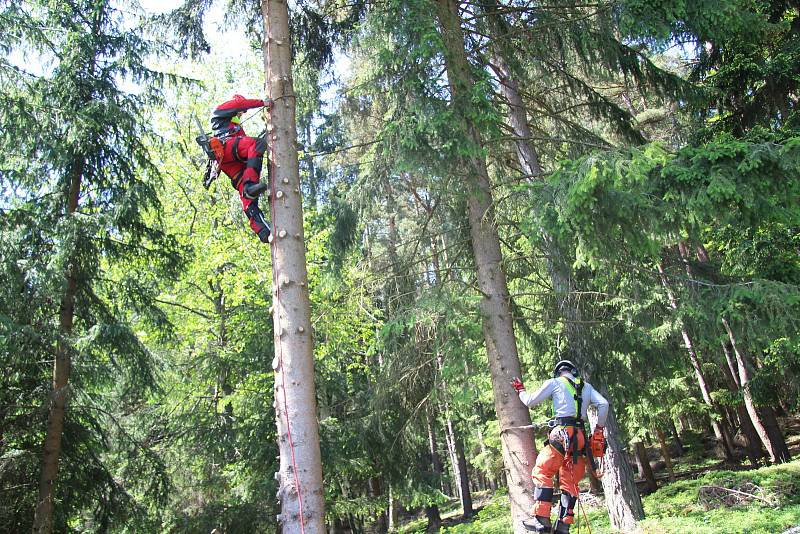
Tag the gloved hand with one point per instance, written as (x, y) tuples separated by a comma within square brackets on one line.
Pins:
[(517, 384), (268, 103), (597, 442)]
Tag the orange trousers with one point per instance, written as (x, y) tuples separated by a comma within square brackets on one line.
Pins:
[(570, 473)]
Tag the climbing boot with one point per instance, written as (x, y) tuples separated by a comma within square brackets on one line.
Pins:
[(264, 234), (537, 523), (252, 190)]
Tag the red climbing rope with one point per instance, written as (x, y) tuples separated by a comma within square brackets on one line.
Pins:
[(276, 285)]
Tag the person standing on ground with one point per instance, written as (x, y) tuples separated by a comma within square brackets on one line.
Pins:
[(566, 448)]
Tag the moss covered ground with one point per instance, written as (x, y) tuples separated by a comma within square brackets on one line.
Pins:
[(676, 507)]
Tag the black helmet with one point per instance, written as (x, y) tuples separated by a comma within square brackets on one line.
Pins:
[(565, 365)]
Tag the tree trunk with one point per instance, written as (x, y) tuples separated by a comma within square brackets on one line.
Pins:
[(595, 484), (675, 436), (622, 497), (509, 88), (451, 455), (643, 464), (434, 518), (720, 432), (463, 478), (380, 524), (498, 329), (45, 503), (436, 461), (662, 441), (763, 418), (300, 476), (393, 515), (751, 439)]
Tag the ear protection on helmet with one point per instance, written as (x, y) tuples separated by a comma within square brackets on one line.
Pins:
[(565, 365)]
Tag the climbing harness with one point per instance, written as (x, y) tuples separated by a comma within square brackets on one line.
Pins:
[(214, 148)]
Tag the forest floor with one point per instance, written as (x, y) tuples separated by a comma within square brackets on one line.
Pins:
[(708, 497)]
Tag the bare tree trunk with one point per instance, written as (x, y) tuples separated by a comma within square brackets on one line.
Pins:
[(509, 88), (622, 498), (393, 515), (675, 436), (434, 518), (763, 418), (498, 328), (752, 441), (436, 460), (720, 432), (595, 484), (665, 453), (451, 454), (463, 476), (643, 464), (45, 503), (300, 476)]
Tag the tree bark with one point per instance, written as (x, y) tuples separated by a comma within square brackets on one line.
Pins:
[(643, 464), (463, 478), (434, 518), (45, 503), (720, 432), (393, 515), (752, 441), (662, 441), (675, 436), (436, 461), (763, 418), (498, 329), (622, 498), (300, 476)]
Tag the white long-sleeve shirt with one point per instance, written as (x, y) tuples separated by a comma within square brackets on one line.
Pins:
[(564, 402)]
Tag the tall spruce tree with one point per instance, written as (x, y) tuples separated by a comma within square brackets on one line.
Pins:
[(81, 222)]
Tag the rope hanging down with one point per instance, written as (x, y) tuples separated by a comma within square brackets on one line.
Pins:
[(276, 285)]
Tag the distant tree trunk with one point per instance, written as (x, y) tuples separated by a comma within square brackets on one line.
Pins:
[(498, 327), (434, 518), (752, 441), (456, 450), (393, 515), (723, 437), (451, 454), (675, 436), (662, 441), (380, 524), (595, 484), (300, 477), (43, 515), (763, 418), (436, 460), (463, 476), (643, 464)]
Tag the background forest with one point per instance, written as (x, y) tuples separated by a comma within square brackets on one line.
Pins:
[(488, 187)]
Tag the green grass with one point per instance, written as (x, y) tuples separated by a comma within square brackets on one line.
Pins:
[(676, 508)]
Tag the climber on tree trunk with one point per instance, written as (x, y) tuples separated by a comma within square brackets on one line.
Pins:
[(242, 158), (566, 448)]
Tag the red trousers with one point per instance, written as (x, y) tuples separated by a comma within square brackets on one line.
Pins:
[(242, 163), (549, 461)]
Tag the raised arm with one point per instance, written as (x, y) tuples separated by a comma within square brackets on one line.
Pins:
[(532, 399)]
